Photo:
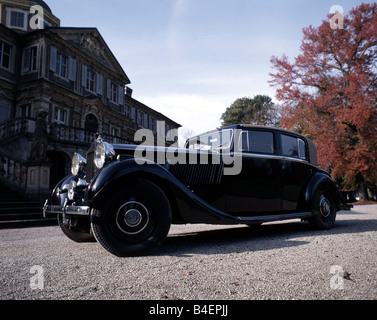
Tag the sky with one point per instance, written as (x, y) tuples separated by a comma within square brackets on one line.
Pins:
[(191, 59)]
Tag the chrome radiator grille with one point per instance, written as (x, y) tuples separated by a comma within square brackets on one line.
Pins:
[(194, 174)]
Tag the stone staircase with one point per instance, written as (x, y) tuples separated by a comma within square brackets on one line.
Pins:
[(17, 211)]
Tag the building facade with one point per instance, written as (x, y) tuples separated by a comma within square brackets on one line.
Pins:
[(59, 86)]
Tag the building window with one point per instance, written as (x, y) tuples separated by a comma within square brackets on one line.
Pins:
[(60, 116), (91, 123), (114, 93), (169, 133), (90, 80), (115, 132), (152, 124), (133, 114), (26, 111), (61, 65), (30, 59), (17, 19), (140, 118), (4, 110), (5, 55), (127, 111)]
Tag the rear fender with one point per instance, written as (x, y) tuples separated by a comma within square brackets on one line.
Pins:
[(323, 182)]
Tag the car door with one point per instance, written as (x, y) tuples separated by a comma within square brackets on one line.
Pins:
[(257, 189), (296, 170)]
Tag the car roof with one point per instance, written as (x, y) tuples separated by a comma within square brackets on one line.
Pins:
[(312, 148), (252, 126)]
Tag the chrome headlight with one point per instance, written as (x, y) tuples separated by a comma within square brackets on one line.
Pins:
[(78, 164), (103, 153)]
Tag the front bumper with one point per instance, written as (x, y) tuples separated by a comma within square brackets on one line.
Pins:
[(65, 209)]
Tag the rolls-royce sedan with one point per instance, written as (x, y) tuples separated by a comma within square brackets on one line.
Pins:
[(127, 196)]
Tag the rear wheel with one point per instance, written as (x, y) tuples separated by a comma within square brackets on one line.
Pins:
[(134, 220), (324, 211)]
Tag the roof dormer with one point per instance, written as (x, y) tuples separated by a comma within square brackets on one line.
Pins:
[(24, 15)]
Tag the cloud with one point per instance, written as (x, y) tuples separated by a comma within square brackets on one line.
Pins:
[(174, 39), (196, 113)]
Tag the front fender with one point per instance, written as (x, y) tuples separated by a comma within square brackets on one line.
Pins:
[(191, 208), (57, 198), (118, 170)]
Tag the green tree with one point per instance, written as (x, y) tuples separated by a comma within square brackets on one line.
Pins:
[(259, 110)]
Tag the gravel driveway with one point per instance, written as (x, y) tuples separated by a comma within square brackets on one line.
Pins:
[(200, 262)]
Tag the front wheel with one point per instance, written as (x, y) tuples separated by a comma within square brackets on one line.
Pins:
[(324, 211), (133, 220)]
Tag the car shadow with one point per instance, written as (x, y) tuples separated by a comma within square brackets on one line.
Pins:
[(256, 238)]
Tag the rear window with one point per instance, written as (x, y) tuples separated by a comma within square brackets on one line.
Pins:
[(293, 147)]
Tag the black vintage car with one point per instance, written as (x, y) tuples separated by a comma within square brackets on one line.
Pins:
[(127, 196)]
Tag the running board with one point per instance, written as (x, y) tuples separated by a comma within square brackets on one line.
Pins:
[(275, 217)]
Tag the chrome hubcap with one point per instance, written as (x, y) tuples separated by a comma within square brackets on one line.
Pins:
[(324, 207), (132, 218)]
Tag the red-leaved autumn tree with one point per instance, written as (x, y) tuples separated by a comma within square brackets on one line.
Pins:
[(330, 94)]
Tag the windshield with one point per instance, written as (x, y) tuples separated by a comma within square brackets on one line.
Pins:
[(213, 141)]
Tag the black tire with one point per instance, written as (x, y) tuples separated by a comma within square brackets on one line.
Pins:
[(324, 211), (133, 220), (74, 234)]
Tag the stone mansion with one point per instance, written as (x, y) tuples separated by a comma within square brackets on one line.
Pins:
[(59, 86)]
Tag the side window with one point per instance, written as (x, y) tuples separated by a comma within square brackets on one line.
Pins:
[(301, 149), (293, 147), (258, 142)]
